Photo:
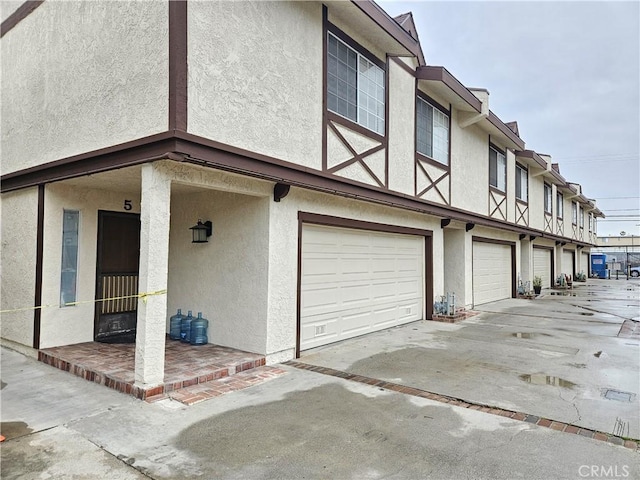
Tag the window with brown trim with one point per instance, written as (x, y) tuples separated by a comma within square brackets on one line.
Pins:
[(497, 169), (581, 216), (522, 183), (591, 222), (355, 85), (69, 267), (574, 213), (548, 208), (560, 204), (432, 131)]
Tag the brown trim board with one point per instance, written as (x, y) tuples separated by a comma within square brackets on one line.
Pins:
[(389, 25), (37, 313), (341, 222), (325, 121), (401, 64), (189, 148), (299, 289), (331, 221), (441, 74), (178, 65), (22, 12), (387, 78), (126, 154)]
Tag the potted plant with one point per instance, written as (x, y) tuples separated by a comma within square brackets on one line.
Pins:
[(537, 285)]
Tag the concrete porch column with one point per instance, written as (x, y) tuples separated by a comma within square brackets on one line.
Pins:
[(154, 263)]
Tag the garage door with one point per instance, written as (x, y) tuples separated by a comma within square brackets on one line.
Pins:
[(491, 272), (584, 264), (567, 262), (355, 282), (542, 266)]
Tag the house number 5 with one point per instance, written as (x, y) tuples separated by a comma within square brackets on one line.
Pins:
[(127, 205)]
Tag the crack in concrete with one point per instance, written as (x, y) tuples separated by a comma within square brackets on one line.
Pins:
[(573, 404), (120, 458)]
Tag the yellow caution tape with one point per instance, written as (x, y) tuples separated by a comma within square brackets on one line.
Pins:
[(142, 296)]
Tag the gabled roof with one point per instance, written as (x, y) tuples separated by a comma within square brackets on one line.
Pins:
[(405, 20), (392, 27)]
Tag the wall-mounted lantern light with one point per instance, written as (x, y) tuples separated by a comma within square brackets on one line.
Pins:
[(201, 231)]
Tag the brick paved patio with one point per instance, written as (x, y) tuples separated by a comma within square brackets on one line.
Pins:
[(186, 365)]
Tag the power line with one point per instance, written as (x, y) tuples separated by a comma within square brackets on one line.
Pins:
[(603, 160), (607, 155), (615, 198)]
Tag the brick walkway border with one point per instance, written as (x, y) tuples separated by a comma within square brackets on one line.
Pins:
[(416, 392), (232, 383)]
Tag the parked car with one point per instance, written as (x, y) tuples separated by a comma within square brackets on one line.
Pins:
[(634, 271)]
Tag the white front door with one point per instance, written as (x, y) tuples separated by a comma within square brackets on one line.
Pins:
[(355, 282)]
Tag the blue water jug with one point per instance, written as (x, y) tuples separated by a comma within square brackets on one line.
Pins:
[(185, 328), (199, 330), (175, 325)]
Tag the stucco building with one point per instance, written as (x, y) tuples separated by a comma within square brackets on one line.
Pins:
[(348, 182)]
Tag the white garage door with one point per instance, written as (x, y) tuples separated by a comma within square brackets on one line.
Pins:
[(491, 272), (567, 262), (542, 266), (355, 282)]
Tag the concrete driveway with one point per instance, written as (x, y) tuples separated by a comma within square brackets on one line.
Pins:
[(306, 424), (559, 356)]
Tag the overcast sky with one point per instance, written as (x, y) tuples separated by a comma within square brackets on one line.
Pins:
[(567, 72)]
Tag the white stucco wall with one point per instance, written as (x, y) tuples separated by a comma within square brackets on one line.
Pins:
[(226, 278), (74, 324), (526, 261), (79, 76), (402, 105), (255, 77), (457, 257), (18, 264), (469, 168), (536, 202), (353, 32)]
